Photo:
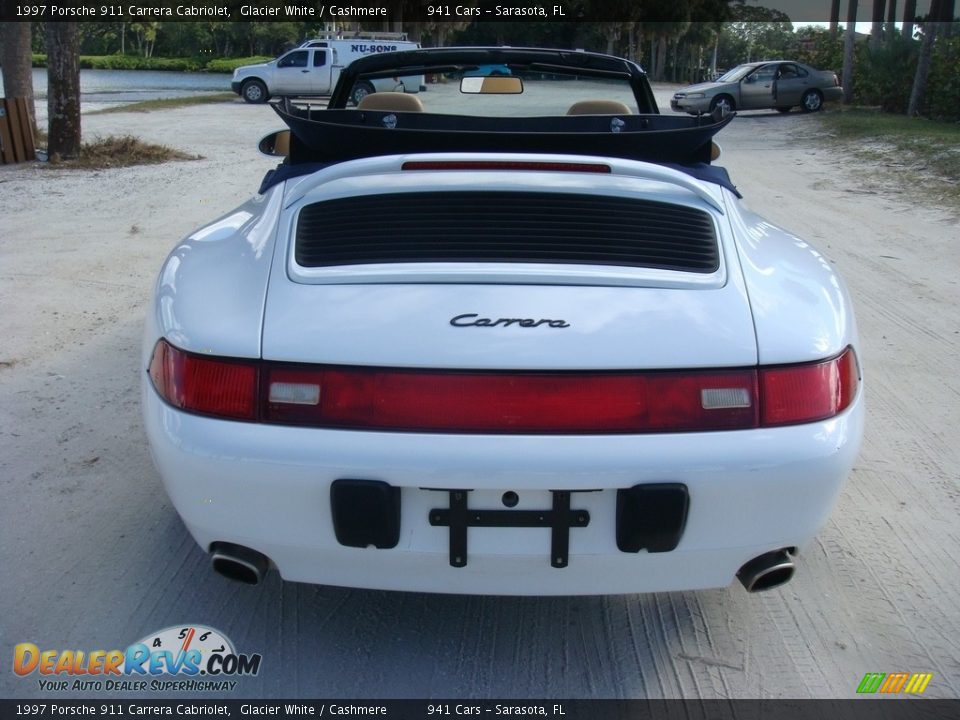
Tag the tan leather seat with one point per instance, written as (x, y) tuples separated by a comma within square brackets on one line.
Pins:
[(598, 107), (281, 147), (391, 102)]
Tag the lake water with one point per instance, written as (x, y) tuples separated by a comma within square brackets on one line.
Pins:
[(101, 89)]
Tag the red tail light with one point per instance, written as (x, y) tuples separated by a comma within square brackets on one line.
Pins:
[(366, 398), (493, 402), (807, 393), (208, 386)]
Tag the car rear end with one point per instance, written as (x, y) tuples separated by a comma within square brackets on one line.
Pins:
[(511, 374), (829, 85)]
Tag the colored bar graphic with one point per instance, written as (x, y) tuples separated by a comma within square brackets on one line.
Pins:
[(918, 683), (892, 683), (871, 682)]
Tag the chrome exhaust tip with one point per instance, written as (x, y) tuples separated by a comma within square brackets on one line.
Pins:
[(239, 563), (767, 571)]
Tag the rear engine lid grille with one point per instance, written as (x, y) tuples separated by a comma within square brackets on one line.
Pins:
[(506, 227)]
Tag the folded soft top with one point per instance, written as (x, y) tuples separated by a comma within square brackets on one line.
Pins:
[(336, 135), (325, 137)]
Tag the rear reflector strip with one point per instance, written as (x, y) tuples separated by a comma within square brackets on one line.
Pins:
[(447, 401), (720, 399), (294, 393)]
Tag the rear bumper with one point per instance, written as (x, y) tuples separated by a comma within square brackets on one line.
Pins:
[(832, 94), (268, 488)]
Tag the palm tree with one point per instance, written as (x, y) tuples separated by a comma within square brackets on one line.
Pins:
[(848, 52), (15, 59), (63, 89), (938, 9)]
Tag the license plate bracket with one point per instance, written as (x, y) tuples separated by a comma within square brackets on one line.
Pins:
[(560, 518)]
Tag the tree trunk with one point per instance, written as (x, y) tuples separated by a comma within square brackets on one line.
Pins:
[(849, 42), (16, 59), (909, 13), (674, 61), (611, 33), (919, 89), (891, 20), (834, 17), (661, 57), (63, 89), (876, 27), (713, 57), (948, 27)]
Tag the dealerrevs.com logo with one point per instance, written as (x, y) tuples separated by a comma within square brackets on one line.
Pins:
[(181, 657)]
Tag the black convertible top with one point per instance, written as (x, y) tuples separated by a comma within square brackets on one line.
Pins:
[(321, 137), (338, 135)]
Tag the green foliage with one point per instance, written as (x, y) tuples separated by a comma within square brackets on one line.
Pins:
[(756, 33), (135, 62), (819, 48), (228, 65), (943, 87), (884, 76), (131, 62)]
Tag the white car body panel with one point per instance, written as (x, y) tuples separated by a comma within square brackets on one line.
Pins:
[(656, 319), (801, 308), (268, 488), (213, 304)]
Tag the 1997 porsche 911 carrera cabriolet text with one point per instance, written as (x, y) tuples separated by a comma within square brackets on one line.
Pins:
[(512, 335)]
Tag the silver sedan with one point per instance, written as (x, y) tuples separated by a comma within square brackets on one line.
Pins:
[(776, 84)]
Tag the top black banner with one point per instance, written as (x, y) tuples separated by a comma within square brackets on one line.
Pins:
[(402, 11)]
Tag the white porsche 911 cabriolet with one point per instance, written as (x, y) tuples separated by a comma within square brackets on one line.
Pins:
[(515, 335)]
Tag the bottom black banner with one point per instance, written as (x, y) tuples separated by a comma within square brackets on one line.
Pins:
[(857, 709)]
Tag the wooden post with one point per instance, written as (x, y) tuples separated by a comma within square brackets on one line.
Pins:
[(16, 131)]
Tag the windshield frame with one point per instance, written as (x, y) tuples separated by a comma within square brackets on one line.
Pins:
[(428, 61)]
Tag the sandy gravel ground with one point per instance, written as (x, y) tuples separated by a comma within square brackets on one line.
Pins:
[(94, 556)]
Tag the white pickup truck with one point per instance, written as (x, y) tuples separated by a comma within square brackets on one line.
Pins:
[(314, 68)]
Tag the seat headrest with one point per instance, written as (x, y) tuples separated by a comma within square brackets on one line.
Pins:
[(598, 107), (391, 101)]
